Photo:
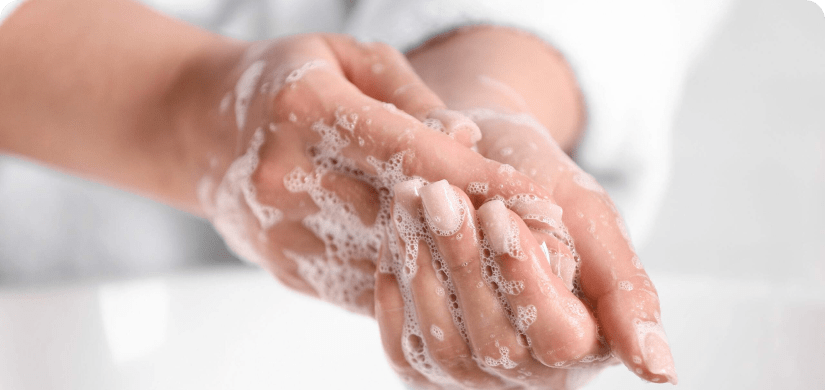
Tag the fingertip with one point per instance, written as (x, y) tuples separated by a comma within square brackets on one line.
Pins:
[(640, 343), (454, 124), (501, 229)]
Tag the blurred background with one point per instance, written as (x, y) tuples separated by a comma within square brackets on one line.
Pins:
[(737, 253)]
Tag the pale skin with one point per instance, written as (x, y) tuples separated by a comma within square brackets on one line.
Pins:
[(117, 93)]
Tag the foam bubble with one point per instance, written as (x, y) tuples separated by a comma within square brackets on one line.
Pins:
[(244, 89), (434, 124), (437, 332), (506, 169), (299, 73), (478, 188), (235, 191), (525, 317), (504, 361), (636, 262), (625, 285), (587, 182)]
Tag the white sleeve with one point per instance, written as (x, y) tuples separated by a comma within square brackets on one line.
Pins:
[(630, 59), (7, 7)]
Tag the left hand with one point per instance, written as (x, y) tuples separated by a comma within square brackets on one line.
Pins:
[(530, 111), (500, 334), (611, 278)]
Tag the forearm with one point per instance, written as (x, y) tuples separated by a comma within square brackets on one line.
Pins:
[(504, 69), (90, 88)]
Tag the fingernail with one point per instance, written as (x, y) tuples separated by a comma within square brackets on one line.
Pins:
[(541, 210), (500, 229), (406, 195), (454, 123), (658, 358), (443, 208)]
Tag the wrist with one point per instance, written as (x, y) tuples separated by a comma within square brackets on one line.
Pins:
[(504, 70), (198, 108)]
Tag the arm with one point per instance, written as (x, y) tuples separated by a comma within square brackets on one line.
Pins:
[(276, 142), (89, 88)]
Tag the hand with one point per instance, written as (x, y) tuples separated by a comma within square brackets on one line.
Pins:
[(516, 300), (300, 178), (530, 111), (478, 302), (611, 278)]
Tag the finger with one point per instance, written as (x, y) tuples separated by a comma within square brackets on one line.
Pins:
[(544, 218), (383, 73), (389, 312), (434, 298), (492, 337), (455, 125), (410, 149), (612, 279), (363, 127), (556, 325)]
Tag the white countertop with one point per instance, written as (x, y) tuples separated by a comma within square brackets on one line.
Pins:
[(237, 328)]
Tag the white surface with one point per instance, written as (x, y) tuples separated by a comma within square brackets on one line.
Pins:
[(223, 329), (238, 329)]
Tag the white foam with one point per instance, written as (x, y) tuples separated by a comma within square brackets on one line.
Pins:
[(525, 316), (437, 332), (434, 124), (584, 180), (506, 169), (244, 89), (337, 274), (504, 361), (478, 188), (236, 194), (334, 281), (299, 73), (636, 262), (344, 121)]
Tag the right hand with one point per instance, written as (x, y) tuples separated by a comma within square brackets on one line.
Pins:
[(301, 180), (484, 306), (497, 309)]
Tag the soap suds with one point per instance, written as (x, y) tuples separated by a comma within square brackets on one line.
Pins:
[(244, 90), (299, 73), (347, 240)]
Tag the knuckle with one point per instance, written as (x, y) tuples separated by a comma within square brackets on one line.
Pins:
[(519, 354), (289, 99), (502, 357), (451, 355), (573, 350)]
